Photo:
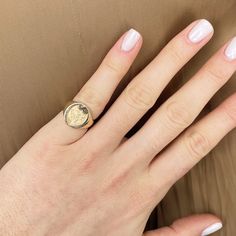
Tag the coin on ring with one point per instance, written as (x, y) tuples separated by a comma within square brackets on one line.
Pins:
[(77, 115)]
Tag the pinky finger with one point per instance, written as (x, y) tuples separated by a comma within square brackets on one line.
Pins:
[(193, 144)]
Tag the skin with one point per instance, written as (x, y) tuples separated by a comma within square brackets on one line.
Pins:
[(66, 181)]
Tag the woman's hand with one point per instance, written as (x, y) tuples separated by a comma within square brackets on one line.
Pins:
[(67, 181)]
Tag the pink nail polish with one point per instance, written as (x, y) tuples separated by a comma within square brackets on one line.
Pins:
[(130, 40), (200, 31)]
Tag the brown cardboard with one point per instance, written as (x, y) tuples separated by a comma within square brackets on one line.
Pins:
[(49, 49)]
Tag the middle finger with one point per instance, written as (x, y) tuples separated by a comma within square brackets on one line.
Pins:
[(142, 92)]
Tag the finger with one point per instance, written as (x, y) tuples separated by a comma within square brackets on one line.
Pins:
[(142, 92), (196, 225), (193, 144), (99, 88), (180, 110)]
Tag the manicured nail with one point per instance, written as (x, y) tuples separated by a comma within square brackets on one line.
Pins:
[(212, 229), (130, 40), (230, 51), (201, 30)]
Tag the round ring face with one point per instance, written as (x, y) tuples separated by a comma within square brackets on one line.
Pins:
[(76, 115)]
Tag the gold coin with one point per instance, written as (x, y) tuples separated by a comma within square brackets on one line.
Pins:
[(76, 115)]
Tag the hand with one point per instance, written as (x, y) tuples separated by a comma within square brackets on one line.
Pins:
[(67, 181)]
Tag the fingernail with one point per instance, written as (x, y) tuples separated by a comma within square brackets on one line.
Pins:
[(201, 30), (212, 229), (130, 40), (230, 51)]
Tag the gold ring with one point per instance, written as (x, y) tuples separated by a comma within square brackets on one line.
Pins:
[(77, 115)]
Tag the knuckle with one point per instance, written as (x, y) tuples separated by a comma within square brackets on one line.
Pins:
[(175, 53), (113, 65), (139, 95), (216, 75), (177, 116), (91, 96), (176, 56), (197, 144)]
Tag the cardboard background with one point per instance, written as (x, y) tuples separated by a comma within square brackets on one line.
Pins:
[(49, 49)]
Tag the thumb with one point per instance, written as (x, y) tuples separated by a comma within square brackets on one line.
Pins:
[(196, 225)]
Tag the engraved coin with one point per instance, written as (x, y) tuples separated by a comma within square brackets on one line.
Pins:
[(76, 115)]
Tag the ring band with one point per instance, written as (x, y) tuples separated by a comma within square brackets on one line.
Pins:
[(77, 115)]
